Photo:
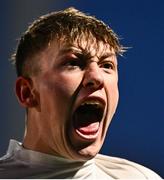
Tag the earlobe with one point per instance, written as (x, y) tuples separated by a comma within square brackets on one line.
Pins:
[(23, 90)]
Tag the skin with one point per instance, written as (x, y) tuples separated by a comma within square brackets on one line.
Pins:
[(70, 74)]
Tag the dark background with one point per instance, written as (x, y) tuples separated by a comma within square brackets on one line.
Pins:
[(136, 132)]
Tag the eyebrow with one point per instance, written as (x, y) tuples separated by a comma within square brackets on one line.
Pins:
[(107, 54), (84, 53), (69, 49)]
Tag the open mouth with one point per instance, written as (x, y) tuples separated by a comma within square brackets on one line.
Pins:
[(87, 118)]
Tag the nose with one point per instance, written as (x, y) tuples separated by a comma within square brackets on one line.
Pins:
[(93, 77)]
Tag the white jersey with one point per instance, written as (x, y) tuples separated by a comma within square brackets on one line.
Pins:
[(22, 163)]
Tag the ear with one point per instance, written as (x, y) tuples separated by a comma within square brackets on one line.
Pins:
[(24, 92)]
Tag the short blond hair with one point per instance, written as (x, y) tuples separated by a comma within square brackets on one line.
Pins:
[(69, 23)]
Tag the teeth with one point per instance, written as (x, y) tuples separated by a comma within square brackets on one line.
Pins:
[(92, 102)]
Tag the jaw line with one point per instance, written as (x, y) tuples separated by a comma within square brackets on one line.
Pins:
[(74, 152)]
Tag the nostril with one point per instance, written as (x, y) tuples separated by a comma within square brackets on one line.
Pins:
[(93, 77), (93, 83), (90, 83)]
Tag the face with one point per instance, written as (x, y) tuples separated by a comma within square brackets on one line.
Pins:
[(78, 95)]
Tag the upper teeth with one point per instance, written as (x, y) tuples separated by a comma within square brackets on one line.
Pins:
[(92, 102)]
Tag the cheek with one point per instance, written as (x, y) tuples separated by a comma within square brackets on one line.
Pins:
[(68, 82), (55, 98), (112, 95), (112, 101), (66, 86), (60, 89)]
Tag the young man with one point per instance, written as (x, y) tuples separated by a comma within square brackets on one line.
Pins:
[(66, 64)]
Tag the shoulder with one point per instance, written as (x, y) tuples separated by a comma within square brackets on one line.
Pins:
[(9, 164), (122, 168)]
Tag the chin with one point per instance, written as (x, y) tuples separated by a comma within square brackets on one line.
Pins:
[(88, 152)]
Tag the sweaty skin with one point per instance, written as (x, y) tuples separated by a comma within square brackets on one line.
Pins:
[(72, 74)]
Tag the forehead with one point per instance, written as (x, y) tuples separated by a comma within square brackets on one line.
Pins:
[(86, 45), (83, 45)]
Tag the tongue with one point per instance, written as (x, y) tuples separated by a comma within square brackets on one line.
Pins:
[(86, 119), (89, 129)]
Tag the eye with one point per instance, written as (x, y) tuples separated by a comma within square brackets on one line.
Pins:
[(74, 63), (107, 65)]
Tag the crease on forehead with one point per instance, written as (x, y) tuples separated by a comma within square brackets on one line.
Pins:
[(82, 44), (86, 44)]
